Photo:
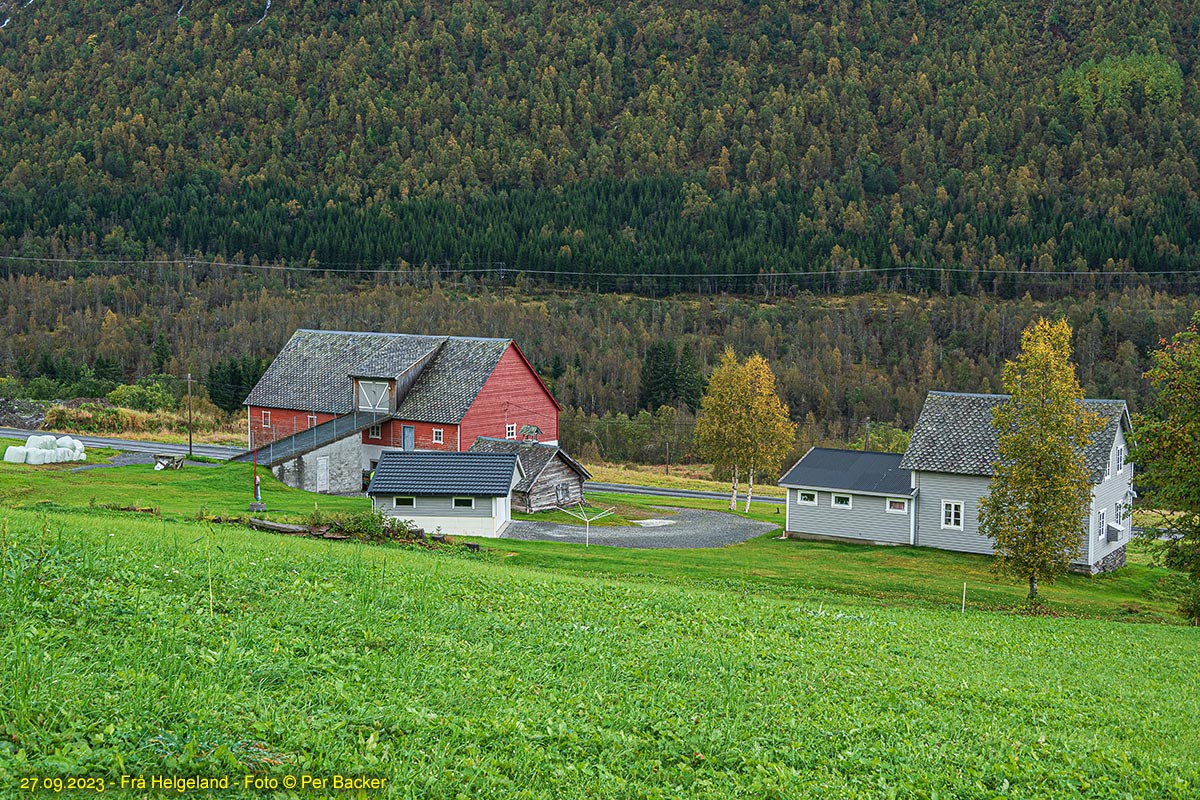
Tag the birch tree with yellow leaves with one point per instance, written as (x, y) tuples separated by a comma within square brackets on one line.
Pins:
[(1041, 491), (743, 426)]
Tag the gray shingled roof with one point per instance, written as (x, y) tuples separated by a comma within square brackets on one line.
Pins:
[(443, 474), (851, 471), (954, 434), (312, 372), (452, 381), (534, 457)]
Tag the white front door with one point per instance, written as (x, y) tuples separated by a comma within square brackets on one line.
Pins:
[(323, 474)]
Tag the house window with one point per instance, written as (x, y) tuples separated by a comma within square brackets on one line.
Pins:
[(510, 431), (842, 501), (807, 499), (266, 419), (952, 515), (404, 502), (437, 435), (1120, 459), (897, 505), (464, 502), (1102, 523), (376, 432)]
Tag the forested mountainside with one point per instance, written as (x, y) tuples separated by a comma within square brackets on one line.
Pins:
[(838, 360), (653, 147)]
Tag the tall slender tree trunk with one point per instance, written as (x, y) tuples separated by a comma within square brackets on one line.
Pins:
[(1033, 596), (733, 496), (749, 488)]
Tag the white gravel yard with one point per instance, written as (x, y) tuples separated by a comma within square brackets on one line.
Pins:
[(686, 528)]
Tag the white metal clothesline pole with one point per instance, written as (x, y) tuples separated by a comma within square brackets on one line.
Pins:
[(587, 521)]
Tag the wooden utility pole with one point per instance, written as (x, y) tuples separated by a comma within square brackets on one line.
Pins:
[(867, 438), (189, 379)]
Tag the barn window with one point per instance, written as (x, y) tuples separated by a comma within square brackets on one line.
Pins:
[(376, 432), (842, 501), (404, 502), (510, 431), (464, 502), (437, 435), (312, 420), (266, 419)]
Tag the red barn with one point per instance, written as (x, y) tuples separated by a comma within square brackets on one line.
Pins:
[(388, 391)]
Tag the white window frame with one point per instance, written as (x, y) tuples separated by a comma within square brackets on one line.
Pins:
[(266, 419), (438, 436), (454, 502), (952, 504), (1102, 523), (510, 431), (1120, 459), (312, 420), (375, 432), (887, 505), (412, 502), (800, 501), (847, 506)]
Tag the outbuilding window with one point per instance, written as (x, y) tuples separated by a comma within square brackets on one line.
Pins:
[(437, 435), (807, 498), (897, 505), (464, 502), (952, 514), (404, 502), (842, 501)]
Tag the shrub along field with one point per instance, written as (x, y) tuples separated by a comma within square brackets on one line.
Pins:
[(137, 645)]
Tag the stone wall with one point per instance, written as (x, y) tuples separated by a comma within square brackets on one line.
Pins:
[(345, 467), (1114, 560)]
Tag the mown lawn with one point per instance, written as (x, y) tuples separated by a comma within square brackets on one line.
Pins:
[(136, 645)]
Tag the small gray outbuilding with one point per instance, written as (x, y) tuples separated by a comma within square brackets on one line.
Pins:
[(468, 494), (849, 495), (552, 478)]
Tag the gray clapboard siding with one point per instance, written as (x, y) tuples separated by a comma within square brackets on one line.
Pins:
[(932, 489), (867, 519), (434, 507), (1109, 495)]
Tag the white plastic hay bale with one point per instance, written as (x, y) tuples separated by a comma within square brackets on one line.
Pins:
[(65, 454), (65, 442), (35, 456), (80, 453), (14, 455)]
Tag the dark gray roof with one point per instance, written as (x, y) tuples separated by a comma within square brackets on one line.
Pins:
[(452, 381), (534, 457), (954, 434), (443, 474), (312, 372), (849, 470)]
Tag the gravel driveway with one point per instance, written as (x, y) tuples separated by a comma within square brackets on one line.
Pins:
[(687, 528)]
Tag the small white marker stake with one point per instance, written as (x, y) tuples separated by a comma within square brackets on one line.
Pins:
[(964, 604)]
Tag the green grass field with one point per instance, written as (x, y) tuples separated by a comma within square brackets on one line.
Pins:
[(134, 644)]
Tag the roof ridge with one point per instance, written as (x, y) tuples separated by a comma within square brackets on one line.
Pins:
[(443, 336), (943, 393)]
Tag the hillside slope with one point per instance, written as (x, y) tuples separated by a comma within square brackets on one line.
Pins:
[(134, 646), (668, 140)]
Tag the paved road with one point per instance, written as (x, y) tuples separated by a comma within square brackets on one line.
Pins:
[(656, 491), (133, 446), (224, 453), (688, 528)]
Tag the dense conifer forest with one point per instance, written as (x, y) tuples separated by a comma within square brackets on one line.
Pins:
[(652, 147), (876, 196)]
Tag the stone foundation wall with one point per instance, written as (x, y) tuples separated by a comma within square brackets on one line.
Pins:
[(1114, 560)]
